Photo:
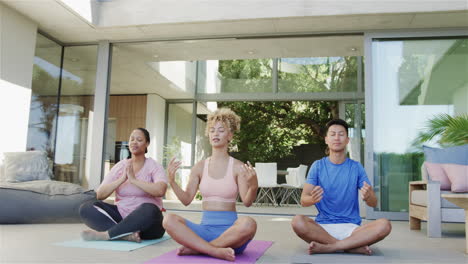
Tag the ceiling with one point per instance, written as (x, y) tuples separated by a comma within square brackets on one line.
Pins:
[(136, 47), (238, 48), (309, 17)]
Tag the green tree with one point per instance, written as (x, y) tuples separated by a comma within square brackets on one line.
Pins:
[(246, 75), (334, 74), (270, 130), (450, 131)]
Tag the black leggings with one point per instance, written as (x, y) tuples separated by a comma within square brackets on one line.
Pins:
[(147, 219)]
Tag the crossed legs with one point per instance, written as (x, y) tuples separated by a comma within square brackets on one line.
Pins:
[(238, 234), (105, 222), (322, 242)]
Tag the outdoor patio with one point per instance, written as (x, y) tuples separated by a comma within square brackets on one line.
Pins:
[(34, 243)]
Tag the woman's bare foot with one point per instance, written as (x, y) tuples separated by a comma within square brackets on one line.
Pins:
[(92, 235), (224, 253), (182, 251), (134, 237), (317, 248), (360, 250), (221, 253)]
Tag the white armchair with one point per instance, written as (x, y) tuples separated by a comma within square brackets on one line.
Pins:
[(267, 181), (295, 180)]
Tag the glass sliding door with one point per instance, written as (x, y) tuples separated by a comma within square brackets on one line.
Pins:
[(61, 104), (143, 77), (44, 97), (202, 146), (413, 80), (355, 117), (75, 111), (179, 138)]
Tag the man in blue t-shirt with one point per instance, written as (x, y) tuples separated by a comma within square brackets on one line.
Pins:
[(333, 185)]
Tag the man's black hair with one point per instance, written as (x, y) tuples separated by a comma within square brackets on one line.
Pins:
[(340, 122)]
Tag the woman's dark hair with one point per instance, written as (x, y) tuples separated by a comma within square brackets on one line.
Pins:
[(147, 136)]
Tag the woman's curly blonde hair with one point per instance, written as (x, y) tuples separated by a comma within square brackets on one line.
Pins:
[(226, 116)]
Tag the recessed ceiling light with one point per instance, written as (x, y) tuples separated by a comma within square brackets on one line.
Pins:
[(250, 52), (156, 56), (353, 49), (74, 59)]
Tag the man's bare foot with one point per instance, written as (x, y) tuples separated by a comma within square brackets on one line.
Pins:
[(92, 235), (134, 237), (182, 251), (317, 248), (224, 253), (360, 250)]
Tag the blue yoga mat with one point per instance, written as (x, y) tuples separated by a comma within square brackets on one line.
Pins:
[(119, 245)]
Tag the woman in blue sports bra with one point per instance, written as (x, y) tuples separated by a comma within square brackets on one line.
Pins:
[(220, 178)]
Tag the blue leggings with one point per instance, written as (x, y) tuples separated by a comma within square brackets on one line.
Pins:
[(213, 224), (147, 219)]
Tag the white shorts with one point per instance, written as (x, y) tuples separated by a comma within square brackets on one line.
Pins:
[(339, 231)]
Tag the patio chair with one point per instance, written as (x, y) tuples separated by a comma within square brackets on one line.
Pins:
[(267, 182), (295, 180), (426, 203)]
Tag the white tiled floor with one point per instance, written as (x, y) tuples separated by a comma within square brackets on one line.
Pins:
[(34, 244)]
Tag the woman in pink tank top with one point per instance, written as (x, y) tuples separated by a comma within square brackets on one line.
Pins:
[(220, 178), (139, 184)]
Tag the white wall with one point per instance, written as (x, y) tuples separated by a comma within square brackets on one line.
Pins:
[(155, 115), (17, 46)]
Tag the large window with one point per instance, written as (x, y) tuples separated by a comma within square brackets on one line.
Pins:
[(203, 147), (140, 84), (235, 76), (283, 75), (413, 80), (44, 97), (192, 78), (144, 68), (179, 138), (321, 74), (355, 117), (75, 114), (62, 101)]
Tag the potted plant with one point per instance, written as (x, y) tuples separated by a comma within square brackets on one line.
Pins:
[(450, 130)]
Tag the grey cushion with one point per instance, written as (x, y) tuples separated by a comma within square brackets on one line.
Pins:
[(26, 207), (26, 166), (46, 187), (419, 197)]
